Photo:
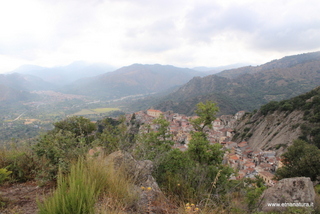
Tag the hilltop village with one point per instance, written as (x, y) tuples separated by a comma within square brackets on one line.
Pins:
[(247, 162)]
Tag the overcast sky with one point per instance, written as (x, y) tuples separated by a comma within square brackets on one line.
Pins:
[(184, 33)]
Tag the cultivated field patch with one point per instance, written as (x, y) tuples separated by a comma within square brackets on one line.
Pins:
[(95, 111)]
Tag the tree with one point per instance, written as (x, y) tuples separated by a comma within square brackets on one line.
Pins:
[(115, 135), (207, 114), (199, 147), (301, 159), (191, 174), (78, 125), (202, 151), (153, 144)]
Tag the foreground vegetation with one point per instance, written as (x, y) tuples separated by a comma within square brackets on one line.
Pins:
[(194, 181)]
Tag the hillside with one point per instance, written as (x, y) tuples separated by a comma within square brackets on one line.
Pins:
[(9, 95), (15, 88), (285, 62), (65, 74), (248, 88), (277, 124), (24, 82), (132, 80)]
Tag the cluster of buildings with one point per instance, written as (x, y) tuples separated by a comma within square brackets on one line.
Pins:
[(247, 162), (250, 163)]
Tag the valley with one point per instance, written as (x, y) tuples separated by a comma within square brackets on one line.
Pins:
[(25, 120), (139, 87), (189, 142)]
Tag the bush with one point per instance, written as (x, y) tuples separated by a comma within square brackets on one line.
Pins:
[(300, 160), (253, 195), (22, 163), (4, 175), (269, 107), (286, 107), (317, 189), (60, 149), (246, 129), (69, 139)]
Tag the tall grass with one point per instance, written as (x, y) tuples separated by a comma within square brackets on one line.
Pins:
[(78, 192), (75, 193)]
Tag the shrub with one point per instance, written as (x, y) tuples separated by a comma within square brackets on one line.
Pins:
[(317, 189), (300, 160), (253, 195), (246, 129), (22, 163), (60, 149), (269, 107), (4, 175)]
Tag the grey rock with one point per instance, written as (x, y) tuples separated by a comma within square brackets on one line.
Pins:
[(141, 174), (289, 192)]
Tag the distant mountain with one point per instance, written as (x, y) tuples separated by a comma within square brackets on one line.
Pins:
[(214, 70), (286, 62), (65, 74), (132, 80), (10, 95), (250, 87), (24, 82)]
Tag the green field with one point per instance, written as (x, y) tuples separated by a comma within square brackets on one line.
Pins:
[(95, 111)]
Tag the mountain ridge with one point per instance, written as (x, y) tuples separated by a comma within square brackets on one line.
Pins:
[(132, 80), (248, 91), (61, 75)]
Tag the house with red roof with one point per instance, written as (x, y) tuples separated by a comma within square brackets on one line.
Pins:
[(154, 113)]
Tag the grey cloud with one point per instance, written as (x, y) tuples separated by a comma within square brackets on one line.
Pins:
[(290, 34), (239, 18), (150, 46), (166, 27), (157, 37), (201, 22), (281, 31), (206, 21)]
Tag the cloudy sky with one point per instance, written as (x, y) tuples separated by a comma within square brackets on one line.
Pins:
[(184, 33)]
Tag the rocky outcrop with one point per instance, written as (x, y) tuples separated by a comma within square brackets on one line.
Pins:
[(274, 131), (141, 174), (289, 192)]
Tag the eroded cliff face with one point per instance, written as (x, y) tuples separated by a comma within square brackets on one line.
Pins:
[(274, 131)]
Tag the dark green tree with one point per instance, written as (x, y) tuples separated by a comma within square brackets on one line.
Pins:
[(301, 159), (80, 126)]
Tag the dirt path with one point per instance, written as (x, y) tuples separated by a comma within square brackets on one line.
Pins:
[(22, 198)]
